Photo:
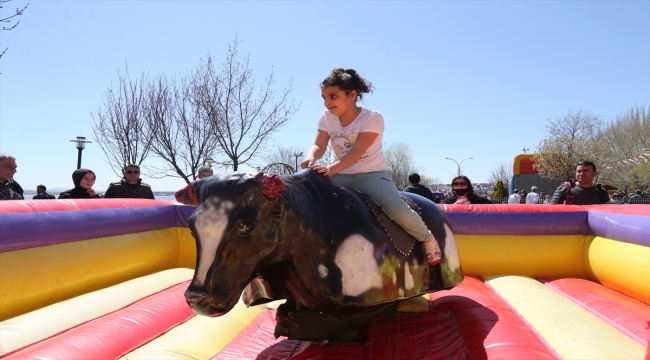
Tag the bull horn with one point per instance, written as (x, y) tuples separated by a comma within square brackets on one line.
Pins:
[(271, 186)]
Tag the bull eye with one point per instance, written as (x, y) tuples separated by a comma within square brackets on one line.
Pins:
[(244, 227)]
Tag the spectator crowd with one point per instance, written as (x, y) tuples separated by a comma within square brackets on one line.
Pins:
[(581, 191), (130, 186)]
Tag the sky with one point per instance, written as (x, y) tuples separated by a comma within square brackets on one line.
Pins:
[(455, 79)]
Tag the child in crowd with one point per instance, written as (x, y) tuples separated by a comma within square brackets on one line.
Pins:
[(355, 136)]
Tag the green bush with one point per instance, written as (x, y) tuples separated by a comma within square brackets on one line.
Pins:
[(500, 190)]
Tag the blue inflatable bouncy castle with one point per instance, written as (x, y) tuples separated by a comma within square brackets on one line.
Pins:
[(104, 279)]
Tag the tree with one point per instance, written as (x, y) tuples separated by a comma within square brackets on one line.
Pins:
[(500, 190), (154, 115), (570, 139), (429, 181), (503, 173), (243, 116), (120, 127), (7, 19), (180, 136), (399, 160), (626, 137)]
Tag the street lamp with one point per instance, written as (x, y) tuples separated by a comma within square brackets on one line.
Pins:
[(461, 163), (81, 144), (297, 154)]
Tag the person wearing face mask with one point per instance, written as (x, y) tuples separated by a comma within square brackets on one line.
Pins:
[(463, 193), (83, 180)]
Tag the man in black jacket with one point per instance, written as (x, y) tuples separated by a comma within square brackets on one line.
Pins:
[(583, 191), (417, 188), (9, 188), (131, 186)]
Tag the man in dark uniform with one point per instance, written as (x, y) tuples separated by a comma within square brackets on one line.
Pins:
[(416, 188), (131, 186), (42, 194), (583, 191)]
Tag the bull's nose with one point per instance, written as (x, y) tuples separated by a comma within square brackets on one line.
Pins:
[(205, 309), (200, 303)]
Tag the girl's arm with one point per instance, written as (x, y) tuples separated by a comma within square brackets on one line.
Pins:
[(359, 148), (317, 150)]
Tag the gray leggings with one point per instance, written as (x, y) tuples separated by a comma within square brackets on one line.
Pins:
[(379, 186)]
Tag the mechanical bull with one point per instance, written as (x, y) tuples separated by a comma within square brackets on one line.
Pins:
[(311, 241)]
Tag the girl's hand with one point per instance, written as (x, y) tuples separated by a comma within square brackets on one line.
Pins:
[(308, 162), (322, 169), (91, 192)]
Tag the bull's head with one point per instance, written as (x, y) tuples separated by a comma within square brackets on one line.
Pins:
[(235, 231)]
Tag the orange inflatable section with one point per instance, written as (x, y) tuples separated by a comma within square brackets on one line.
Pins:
[(524, 164)]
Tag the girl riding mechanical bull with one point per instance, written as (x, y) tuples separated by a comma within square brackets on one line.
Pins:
[(355, 135)]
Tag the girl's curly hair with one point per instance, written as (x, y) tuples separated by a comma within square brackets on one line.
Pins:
[(348, 80)]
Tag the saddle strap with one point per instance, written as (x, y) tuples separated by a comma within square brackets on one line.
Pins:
[(401, 240)]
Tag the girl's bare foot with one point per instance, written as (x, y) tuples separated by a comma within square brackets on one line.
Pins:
[(432, 251)]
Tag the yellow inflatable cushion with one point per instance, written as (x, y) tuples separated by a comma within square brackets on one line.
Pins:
[(571, 330), (42, 323)]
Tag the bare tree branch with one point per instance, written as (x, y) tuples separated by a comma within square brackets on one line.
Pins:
[(119, 127), (502, 172), (243, 116), (181, 136), (8, 20)]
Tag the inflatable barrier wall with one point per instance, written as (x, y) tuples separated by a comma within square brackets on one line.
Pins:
[(104, 279)]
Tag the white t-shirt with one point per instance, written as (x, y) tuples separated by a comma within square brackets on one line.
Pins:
[(532, 198), (342, 139), (514, 199)]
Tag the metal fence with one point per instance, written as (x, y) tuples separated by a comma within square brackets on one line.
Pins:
[(618, 200)]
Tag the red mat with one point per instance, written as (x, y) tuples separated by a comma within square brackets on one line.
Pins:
[(399, 336)]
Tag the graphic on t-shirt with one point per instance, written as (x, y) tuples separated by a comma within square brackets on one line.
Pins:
[(342, 143)]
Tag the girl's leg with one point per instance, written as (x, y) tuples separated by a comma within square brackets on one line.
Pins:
[(379, 186)]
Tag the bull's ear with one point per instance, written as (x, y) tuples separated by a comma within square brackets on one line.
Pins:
[(271, 186)]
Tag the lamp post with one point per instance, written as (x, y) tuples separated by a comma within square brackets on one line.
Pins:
[(461, 163), (297, 154), (81, 144)]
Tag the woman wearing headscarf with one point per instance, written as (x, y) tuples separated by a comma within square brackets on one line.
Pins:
[(83, 179), (463, 193)]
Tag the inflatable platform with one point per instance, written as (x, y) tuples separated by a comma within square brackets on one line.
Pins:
[(104, 279)]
